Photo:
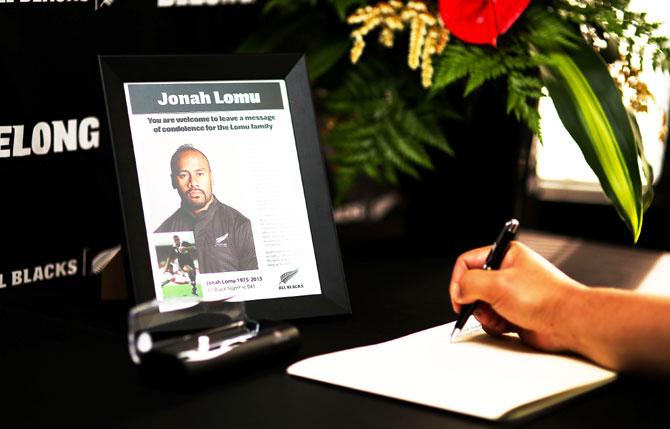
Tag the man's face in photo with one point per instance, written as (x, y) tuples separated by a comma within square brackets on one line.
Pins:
[(193, 180)]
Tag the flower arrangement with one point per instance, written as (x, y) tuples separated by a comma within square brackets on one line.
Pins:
[(381, 122)]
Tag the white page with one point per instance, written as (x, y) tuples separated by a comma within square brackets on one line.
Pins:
[(481, 376)]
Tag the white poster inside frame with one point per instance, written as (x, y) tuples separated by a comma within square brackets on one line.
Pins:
[(222, 195)]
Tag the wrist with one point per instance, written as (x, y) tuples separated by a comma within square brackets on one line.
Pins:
[(567, 321)]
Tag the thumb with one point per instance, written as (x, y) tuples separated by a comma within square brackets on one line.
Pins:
[(479, 285)]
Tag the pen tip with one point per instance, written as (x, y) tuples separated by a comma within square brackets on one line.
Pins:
[(454, 335)]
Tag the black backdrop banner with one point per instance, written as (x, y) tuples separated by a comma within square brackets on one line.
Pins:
[(61, 205)]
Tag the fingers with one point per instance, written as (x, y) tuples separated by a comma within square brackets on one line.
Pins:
[(492, 323), (467, 261), (480, 285), (472, 259), (495, 325)]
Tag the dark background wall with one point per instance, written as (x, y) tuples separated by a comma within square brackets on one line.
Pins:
[(64, 206)]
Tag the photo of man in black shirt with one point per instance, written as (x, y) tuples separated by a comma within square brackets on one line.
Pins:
[(223, 236)]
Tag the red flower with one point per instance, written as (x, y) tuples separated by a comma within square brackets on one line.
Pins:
[(480, 21)]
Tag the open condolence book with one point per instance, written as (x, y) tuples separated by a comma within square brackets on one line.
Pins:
[(491, 378)]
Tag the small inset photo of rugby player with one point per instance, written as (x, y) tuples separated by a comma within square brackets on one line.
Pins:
[(178, 264)]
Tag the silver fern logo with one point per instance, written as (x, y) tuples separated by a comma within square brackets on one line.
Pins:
[(287, 276)]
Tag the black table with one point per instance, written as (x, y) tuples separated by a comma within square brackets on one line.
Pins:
[(64, 360)]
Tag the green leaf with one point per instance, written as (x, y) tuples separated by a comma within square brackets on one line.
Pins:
[(393, 156), (546, 31), (345, 178), (380, 128), (390, 175), (259, 41), (343, 6), (323, 59), (408, 147), (523, 93), (590, 106), (286, 5), (456, 61), (427, 132), (372, 172), (351, 158), (647, 170)]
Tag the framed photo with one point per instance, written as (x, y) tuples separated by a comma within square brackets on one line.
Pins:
[(222, 182)]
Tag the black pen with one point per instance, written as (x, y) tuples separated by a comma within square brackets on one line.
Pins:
[(493, 261)]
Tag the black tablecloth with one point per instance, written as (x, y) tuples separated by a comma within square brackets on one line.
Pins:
[(64, 360)]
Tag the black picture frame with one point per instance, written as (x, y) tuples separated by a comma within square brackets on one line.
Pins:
[(291, 68)]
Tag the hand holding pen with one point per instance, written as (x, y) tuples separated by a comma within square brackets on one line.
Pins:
[(527, 295), (493, 261)]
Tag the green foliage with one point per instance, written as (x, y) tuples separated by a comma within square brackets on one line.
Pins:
[(342, 7), (321, 60), (477, 63), (517, 58), (304, 29), (610, 19), (378, 132), (661, 59), (376, 124), (385, 122), (522, 94), (541, 31), (589, 105), (287, 6)]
